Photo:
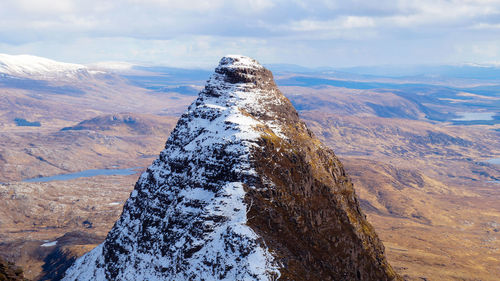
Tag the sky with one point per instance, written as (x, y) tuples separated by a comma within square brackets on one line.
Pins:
[(312, 33)]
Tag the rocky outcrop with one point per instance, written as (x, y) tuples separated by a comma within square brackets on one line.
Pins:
[(242, 191), (10, 272)]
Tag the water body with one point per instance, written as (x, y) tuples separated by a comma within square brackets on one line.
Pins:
[(475, 116), (87, 174), (495, 161)]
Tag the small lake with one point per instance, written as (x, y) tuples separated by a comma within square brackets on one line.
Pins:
[(475, 116), (495, 161), (87, 174)]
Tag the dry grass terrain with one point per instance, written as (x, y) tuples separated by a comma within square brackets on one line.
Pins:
[(425, 191), (32, 214), (423, 185), (117, 140)]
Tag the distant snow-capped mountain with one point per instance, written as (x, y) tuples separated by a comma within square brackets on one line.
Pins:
[(33, 67)]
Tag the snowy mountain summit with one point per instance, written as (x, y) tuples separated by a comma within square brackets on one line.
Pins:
[(242, 191), (33, 67)]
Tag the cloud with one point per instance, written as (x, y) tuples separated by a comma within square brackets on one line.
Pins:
[(197, 26), (343, 23), (486, 26), (42, 7)]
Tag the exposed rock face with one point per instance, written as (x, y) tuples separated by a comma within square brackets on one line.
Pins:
[(242, 191), (10, 272)]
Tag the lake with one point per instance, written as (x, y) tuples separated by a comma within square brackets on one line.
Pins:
[(495, 161), (86, 174), (475, 116)]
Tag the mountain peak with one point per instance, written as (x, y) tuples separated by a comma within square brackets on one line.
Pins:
[(242, 191), (249, 88), (237, 69), (239, 61)]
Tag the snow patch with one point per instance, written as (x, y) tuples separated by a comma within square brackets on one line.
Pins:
[(49, 244), (239, 61)]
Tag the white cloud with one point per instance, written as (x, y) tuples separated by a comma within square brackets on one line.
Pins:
[(179, 5), (48, 7), (483, 25), (350, 22), (284, 29)]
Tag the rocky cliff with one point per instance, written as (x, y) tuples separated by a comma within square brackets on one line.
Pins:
[(242, 191), (10, 272)]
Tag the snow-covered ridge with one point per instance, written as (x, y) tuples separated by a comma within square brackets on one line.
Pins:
[(238, 62), (33, 67), (187, 218), (39, 68)]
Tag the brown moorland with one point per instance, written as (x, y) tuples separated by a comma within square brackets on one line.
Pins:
[(423, 185)]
